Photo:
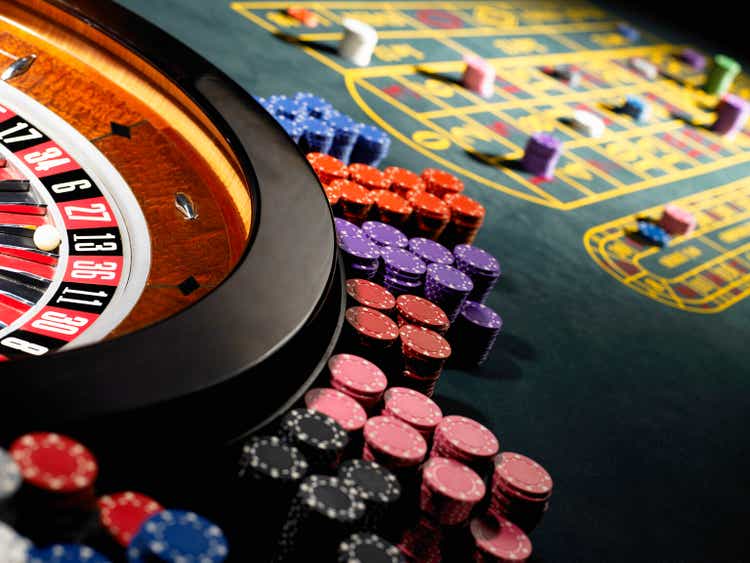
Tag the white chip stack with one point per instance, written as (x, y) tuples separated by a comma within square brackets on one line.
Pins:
[(358, 43), (13, 547), (587, 123), (645, 68)]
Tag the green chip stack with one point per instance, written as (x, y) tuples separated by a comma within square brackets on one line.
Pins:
[(721, 76)]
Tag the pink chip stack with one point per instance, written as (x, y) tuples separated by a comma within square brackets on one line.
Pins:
[(465, 440), (450, 490), (413, 408), (339, 406), (421, 542), (479, 76), (677, 221), (359, 378), (393, 443)]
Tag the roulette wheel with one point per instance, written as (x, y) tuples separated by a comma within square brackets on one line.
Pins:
[(164, 247)]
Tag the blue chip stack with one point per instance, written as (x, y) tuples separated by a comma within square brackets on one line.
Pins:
[(176, 535), (291, 109), (481, 266), (448, 288), (372, 146), (361, 255), (345, 134), (383, 234), (473, 335), (292, 128), (654, 234), (403, 272), (636, 107), (317, 136), (64, 553), (317, 107)]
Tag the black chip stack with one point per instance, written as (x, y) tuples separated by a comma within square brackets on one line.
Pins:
[(320, 438), (368, 548), (324, 513), (377, 487)]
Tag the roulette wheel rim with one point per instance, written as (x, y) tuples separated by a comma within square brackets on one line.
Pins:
[(278, 312)]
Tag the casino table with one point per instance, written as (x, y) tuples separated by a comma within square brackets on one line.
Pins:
[(621, 367)]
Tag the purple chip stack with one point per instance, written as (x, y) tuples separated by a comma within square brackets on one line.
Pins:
[(481, 266), (541, 155), (447, 288), (473, 335), (732, 113), (403, 272), (693, 58), (431, 252), (344, 227), (361, 255), (383, 234)]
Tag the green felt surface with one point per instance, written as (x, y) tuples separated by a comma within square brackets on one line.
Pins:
[(639, 410)]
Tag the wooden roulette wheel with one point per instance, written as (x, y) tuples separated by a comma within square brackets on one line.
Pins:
[(196, 270)]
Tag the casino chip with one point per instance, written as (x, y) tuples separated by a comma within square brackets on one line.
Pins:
[(384, 235), (393, 443), (404, 182), (368, 176), (357, 377), (441, 183), (499, 540), (339, 406), (414, 408), (10, 475), (13, 547), (391, 208), (474, 333), (467, 216), (369, 330), (448, 288), (369, 294), (122, 514), (481, 266), (177, 536), (430, 252), (653, 234), (319, 437), (376, 486), (65, 553), (327, 168), (450, 490), (465, 440), (418, 311), (363, 547), (267, 457), (54, 463)]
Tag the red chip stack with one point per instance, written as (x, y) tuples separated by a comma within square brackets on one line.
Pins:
[(368, 177), (121, 514), (430, 217), (441, 183), (450, 490), (467, 216), (521, 489), (333, 194), (369, 294), (355, 201), (370, 332), (413, 408), (391, 208), (341, 407), (327, 168), (393, 443), (420, 543), (465, 440), (424, 353), (499, 540), (358, 378), (403, 181), (414, 310)]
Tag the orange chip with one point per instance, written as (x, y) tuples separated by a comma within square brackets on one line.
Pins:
[(353, 192), (327, 168), (441, 183), (308, 18), (403, 181), (369, 177), (333, 193), (392, 202), (465, 209), (429, 205)]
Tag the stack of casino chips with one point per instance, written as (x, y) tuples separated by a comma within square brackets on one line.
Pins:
[(345, 133), (677, 221), (319, 437), (467, 441), (14, 548), (403, 271), (315, 106), (498, 540), (292, 109), (391, 208), (450, 490), (64, 553), (365, 293), (371, 147), (384, 235), (637, 108), (355, 202), (731, 115), (652, 233), (342, 408), (541, 155), (694, 59), (478, 76), (467, 216), (430, 252), (365, 547), (474, 333), (368, 176), (357, 377), (430, 216), (317, 136), (421, 542), (448, 288), (324, 513), (414, 408), (441, 183), (424, 353), (370, 333), (521, 489), (57, 498), (723, 72), (481, 266), (345, 228), (393, 443), (361, 255), (327, 168), (378, 488), (414, 310), (404, 182), (178, 535)]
